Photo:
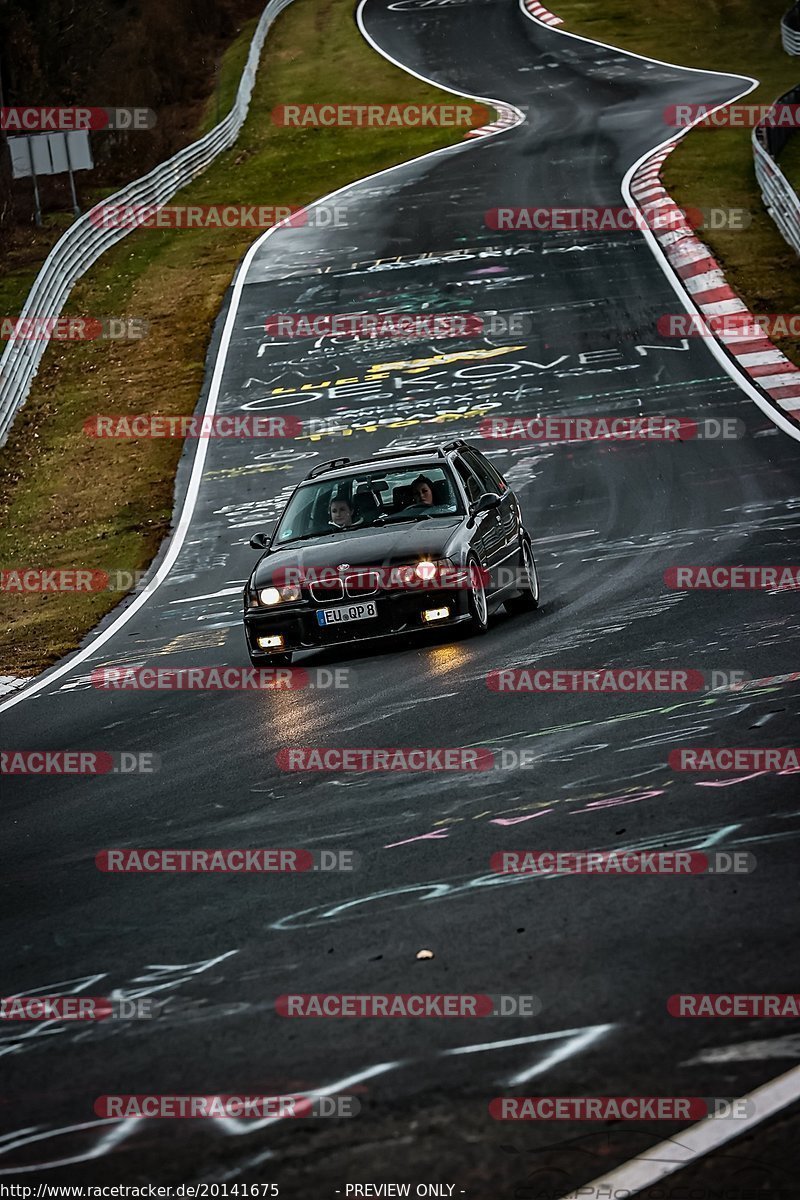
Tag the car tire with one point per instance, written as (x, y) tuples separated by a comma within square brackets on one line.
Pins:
[(528, 599), (476, 599)]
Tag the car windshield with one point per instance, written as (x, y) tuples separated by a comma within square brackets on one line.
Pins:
[(376, 496)]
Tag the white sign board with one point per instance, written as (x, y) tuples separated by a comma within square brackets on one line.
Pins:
[(50, 153)]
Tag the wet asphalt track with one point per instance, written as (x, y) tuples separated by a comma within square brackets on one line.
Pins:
[(602, 954)]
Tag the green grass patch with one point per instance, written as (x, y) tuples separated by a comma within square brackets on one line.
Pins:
[(70, 501), (23, 256), (227, 78), (789, 161)]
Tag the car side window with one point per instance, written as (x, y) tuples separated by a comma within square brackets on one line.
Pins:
[(489, 479), (471, 483)]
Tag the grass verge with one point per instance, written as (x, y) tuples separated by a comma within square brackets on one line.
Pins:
[(67, 500), (789, 162), (714, 167)]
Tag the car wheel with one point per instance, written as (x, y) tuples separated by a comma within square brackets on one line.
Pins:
[(274, 660), (476, 598), (528, 599)]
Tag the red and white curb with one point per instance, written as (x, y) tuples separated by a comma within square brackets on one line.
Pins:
[(703, 279), (507, 118), (541, 13)]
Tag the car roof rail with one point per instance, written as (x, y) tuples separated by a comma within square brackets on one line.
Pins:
[(437, 448), (434, 448), (441, 450), (330, 465)]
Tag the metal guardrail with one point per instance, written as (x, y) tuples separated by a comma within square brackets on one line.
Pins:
[(780, 197), (86, 239), (790, 30)]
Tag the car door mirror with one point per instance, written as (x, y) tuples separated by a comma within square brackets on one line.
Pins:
[(260, 541), (485, 503)]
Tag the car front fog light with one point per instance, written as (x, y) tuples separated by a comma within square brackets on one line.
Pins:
[(435, 614)]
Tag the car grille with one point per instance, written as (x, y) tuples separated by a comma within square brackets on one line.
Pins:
[(355, 585), (364, 583), (329, 589)]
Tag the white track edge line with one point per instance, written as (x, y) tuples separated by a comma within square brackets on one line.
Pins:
[(660, 62), (739, 377), (776, 1094), (190, 500), (696, 1141), (426, 79)]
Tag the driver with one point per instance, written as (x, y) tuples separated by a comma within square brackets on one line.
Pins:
[(340, 512), (422, 491)]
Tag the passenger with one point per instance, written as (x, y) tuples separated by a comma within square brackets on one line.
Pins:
[(422, 491)]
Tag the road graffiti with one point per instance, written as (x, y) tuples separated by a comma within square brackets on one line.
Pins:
[(106, 1135)]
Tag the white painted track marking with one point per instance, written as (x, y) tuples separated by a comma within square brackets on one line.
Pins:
[(696, 1141)]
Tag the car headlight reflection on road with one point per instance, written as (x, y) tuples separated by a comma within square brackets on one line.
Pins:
[(271, 596)]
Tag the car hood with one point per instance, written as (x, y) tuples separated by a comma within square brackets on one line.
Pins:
[(391, 545)]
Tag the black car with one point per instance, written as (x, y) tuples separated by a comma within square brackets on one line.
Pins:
[(389, 545)]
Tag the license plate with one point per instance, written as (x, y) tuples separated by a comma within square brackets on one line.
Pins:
[(347, 612)]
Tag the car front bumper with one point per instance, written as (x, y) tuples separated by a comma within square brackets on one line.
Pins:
[(397, 613)]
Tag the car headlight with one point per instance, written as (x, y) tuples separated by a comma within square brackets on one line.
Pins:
[(426, 569), (271, 596), (432, 570)]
